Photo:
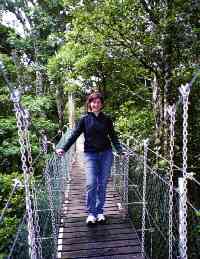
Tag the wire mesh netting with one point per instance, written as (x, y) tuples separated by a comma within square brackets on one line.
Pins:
[(119, 176), (47, 199), (157, 212)]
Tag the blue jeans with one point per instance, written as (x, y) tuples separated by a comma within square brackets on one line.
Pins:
[(98, 168)]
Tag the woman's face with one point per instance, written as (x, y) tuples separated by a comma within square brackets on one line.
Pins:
[(96, 105)]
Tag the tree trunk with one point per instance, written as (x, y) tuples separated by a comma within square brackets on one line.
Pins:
[(165, 122), (60, 105), (71, 110), (158, 108)]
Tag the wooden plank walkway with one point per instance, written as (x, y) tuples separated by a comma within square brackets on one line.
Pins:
[(115, 239)]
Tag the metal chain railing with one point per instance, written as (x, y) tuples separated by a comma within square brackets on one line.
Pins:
[(22, 117), (185, 91), (33, 190), (23, 143), (172, 112)]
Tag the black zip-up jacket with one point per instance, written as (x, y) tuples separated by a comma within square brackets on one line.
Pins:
[(98, 133)]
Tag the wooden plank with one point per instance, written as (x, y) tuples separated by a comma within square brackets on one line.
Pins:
[(86, 239), (82, 228), (110, 220), (97, 231), (97, 245), (84, 214), (97, 234), (102, 252)]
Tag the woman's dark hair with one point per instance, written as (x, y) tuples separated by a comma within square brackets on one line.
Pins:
[(93, 96)]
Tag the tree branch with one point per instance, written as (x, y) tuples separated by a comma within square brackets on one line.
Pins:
[(150, 12)]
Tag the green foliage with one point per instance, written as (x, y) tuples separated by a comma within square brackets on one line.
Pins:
[(8, 125), (46, 124), (61, 66), (9, 139), (9, 149), (38, 104), (4, 42), (10, 68), (15, 211), (133, 122), (5, 105), (9, 145)]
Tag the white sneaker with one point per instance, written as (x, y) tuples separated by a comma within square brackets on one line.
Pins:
[(90, 219), (101, 218)]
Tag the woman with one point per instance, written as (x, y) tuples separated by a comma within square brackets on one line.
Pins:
[(99, 133)]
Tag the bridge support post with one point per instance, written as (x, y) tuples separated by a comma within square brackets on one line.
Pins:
[(125, 176), (144, 196), (185, 91), (182, 218)]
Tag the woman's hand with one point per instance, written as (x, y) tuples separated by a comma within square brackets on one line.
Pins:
[(60, 152)]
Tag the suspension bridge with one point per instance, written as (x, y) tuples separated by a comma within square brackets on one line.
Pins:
[(149, 216)]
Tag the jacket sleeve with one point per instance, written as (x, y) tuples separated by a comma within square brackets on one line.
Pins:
[(114, 137), (73, 137)]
